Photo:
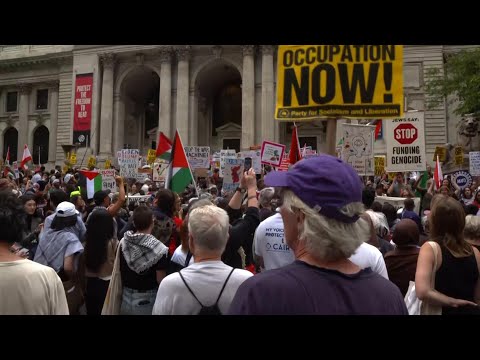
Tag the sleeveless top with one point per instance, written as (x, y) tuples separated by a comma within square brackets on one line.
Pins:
[(457, 278)]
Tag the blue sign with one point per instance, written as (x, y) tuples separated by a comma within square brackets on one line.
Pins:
[(462, 179)]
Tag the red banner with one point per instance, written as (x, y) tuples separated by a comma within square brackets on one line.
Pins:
[(82, 109)]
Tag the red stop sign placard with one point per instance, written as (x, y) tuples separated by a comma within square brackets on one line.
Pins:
[(405, 134)]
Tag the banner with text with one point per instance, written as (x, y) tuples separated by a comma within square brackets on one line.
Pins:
[(357, 148), (348, 81), (405, 142), (82, 109), (198, 156)]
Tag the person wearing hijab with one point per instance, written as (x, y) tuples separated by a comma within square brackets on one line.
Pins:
[(402, 261)]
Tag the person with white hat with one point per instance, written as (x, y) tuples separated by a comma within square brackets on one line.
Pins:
[(59, 247)]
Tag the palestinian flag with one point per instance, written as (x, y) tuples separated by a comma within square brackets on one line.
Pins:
[(164, 147), (179, 174), (422, 183), (94, 182)]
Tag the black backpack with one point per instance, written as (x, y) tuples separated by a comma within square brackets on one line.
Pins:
[(208, 310)]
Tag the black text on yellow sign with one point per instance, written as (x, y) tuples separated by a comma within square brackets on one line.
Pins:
[(352, 81)]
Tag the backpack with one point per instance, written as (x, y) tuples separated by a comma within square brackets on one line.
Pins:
[(212, 309)]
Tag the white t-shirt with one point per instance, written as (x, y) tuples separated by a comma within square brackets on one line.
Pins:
[(269, 243), (179, 257), (28, 288), (369, 256), (206, 280)]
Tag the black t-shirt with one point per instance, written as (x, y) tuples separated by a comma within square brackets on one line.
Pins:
[(147, 280)]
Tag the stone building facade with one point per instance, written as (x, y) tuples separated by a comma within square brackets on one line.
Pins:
[(221, 96)]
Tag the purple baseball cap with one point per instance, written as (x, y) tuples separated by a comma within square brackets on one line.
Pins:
[(325, 183)]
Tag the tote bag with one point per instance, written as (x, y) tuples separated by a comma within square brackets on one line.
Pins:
[(415, 306)]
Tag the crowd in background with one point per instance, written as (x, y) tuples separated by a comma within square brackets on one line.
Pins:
[(313, 240)]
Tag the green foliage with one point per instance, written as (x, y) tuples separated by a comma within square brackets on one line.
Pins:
[(461, 80)]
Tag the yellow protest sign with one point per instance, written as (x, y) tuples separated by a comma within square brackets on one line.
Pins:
[(73, 158), (379, 165), (65, 169), (391, 176), (152, 155), (92, 161), (458, 155), (441, 151), (352, 81), (108, 164)]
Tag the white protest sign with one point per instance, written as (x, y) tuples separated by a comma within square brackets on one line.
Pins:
[(108, 180), (232, 174), (224, 154), (198, 156), (128, 161), (160, 171), (357, 148), (256, 159), (272, 153), (474, 163), (405, 141)]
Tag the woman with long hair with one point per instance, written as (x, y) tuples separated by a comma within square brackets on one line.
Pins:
[(100, 250), (457, 285), (33, 224)]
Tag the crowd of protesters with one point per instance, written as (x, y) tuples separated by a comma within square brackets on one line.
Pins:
[(313, 240)]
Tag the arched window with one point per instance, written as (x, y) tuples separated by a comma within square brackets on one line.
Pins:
[(41, 138), (10, 140)]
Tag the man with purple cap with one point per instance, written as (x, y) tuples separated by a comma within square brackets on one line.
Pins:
[(322, 201)]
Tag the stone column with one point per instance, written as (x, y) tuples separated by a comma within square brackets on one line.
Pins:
[(248, 97), (106, 115), (24, 90), (183, 56), (193, 118), (119, 128), (331, 136), (52, 143), (165, 116), (268, 122)]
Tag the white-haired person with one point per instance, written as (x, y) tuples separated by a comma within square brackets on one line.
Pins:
[(208, 282), (322, 201), (472, 230)]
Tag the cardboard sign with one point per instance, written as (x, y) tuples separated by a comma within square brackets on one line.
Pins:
[(256, 159), (232, 174), (108, 180), (357, 148), (272, 153), (128, 160), (349, 81), (474, 163), (160, 171)]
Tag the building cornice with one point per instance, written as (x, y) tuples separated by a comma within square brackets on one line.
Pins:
[(51, 59)]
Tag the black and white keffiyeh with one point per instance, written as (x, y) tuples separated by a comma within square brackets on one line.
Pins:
[(142, 251)]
